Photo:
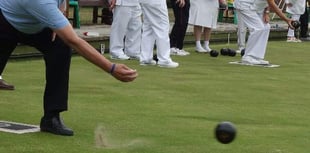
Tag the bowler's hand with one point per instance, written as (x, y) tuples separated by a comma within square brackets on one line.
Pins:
[(181, 3), (266, 17), (112, 4), (124, 73), (289, 22)]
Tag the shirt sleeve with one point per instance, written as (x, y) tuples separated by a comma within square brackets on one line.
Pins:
[(48, 14)]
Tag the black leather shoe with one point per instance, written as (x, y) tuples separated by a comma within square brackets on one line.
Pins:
[(56, 126), (5, 86)]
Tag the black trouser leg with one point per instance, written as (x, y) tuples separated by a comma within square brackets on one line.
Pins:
[(6, 49), (8, 42), (57, 57), (178, 31), (304, 24)]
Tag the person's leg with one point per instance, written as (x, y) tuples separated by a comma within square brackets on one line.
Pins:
[(259, 33), (148, 39), (197, 35), (133, 35), (207, 36), (178, 31), (6, 49), (291, 32), (241, 33), (57, 57), (304, 19), (174, 30), (157, 16), (8, 42), (119, 26)]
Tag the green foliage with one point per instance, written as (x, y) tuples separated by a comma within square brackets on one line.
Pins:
[(170, 110)]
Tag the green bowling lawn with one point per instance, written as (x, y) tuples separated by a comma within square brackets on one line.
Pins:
[(169, 110)]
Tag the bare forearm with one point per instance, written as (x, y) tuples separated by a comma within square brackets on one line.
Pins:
[(91, 54), (275, 8), (68, 35)]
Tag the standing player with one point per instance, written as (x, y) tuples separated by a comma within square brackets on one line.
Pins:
[(155, 30), (255, 15), (295, 8), (203, 16), (177, 35), (125, 37)]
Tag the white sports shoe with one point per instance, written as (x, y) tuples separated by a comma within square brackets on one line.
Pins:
[(146, 63), (208, 49), (200, 50), (169, 64), (254, 61), (120, 57), (184, 52), (176, 51)]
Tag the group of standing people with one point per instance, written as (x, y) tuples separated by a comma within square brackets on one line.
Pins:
[(126, 35), (130, 39), (202, 15)]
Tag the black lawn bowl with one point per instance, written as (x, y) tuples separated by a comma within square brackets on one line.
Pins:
[(224, 51), (214, 53), (231, 52), (225, 132), (296, 24)]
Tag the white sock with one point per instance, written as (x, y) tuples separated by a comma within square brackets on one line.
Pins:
[(198, 44), (0, 77), (206, 44)]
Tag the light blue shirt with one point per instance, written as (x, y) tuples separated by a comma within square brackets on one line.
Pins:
[(31, 16)]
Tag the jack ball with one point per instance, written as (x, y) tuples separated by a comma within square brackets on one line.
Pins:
[(225, 132)]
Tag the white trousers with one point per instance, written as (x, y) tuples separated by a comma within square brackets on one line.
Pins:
[(155, 30), (126, 31), (241, 33), (259, 33)]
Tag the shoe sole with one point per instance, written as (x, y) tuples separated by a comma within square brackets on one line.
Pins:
[(55, 132), (7, 88), (115, 58), (167, 66), (147, 64)]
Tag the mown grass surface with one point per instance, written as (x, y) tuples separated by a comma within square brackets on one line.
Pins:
[(170, 110)]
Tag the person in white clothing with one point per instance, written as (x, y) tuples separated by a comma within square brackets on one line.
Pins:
[(295, 8), (155, 30), (255, 15), (203, 16), (125, 36)]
